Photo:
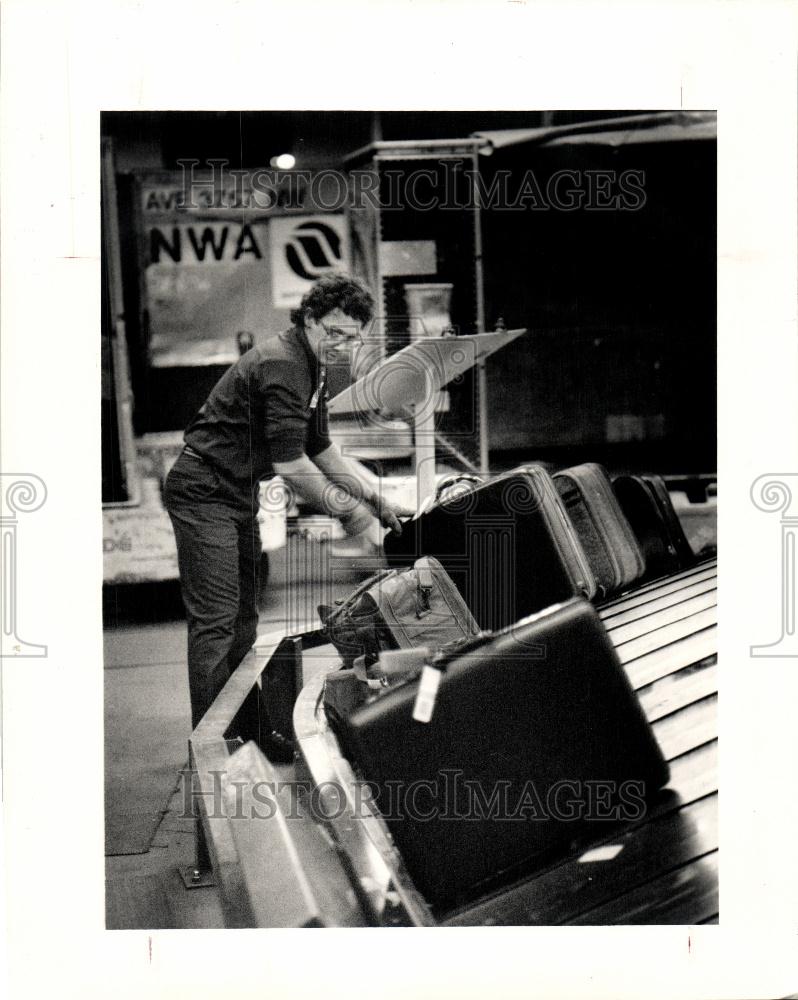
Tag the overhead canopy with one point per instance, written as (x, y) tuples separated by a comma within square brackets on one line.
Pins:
[(665, 126)]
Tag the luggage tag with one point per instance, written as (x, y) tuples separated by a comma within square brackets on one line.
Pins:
[(427, 693)]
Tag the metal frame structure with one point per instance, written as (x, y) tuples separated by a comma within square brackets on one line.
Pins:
[(412, 379), (432, 149), (122, 388)]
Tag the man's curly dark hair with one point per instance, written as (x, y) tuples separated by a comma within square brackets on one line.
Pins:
[(335, 291)]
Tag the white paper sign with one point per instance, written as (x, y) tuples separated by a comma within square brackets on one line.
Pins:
[(303, 248)]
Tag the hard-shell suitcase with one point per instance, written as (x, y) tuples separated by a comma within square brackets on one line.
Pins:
[(607, 537), (507, 544), (536, 738), (646, 503)]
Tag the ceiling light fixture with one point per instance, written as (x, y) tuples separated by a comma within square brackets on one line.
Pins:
[(285, 161)]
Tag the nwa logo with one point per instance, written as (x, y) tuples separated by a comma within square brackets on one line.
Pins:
[(313, 249)]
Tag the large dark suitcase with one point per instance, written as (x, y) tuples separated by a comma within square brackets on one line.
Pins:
[(607, 538), (646, 503), (507, 544), (536, 737)]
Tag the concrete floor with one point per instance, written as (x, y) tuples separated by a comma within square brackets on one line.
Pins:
[(145, 890)]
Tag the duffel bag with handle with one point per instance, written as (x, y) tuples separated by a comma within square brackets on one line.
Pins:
[(399, 609)]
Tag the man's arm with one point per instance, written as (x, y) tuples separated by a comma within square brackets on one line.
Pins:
[(360, 484), (341, 470), (330, 495)]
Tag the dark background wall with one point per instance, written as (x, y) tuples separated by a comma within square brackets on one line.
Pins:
[(620, 305)]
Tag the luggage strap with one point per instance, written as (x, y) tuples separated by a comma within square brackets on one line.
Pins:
[(361, 672), (424, 587)]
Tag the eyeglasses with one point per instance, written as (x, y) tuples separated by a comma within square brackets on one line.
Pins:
[(340, 333)]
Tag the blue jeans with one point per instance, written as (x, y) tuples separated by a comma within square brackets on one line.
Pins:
[(218, 553)]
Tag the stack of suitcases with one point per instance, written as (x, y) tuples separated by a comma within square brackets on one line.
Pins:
[(535, 539), (509, 728)]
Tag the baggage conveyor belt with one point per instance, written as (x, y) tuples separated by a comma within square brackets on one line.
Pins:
[(661, 870)]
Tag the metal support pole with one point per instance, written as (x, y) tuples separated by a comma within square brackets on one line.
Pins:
[(424, 432), (482, 379), (198, 875), (123, 393)]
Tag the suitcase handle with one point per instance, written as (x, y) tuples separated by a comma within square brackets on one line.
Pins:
[(460, 477)]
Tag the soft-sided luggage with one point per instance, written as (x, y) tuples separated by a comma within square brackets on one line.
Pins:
[(507, 544), (348, 689), (399, 609), (535, 738), (646, 503), (607, 538)]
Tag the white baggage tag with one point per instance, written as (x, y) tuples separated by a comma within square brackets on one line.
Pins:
[(427, 693)]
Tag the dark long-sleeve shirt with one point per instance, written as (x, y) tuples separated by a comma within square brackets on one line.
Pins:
[(268, 407)]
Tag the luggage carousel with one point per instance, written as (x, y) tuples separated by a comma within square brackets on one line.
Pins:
[(326, 860)]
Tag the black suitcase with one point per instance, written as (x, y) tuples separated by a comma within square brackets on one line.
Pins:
[(607, 538), (507, 544), (646, 503), (536, 737)]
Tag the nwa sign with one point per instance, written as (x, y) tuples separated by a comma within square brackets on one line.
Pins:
[(211, 271)]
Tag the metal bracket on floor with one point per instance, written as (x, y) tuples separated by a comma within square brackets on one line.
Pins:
[(199, 874), (196, 878)]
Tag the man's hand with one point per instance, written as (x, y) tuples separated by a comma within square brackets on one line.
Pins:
[(357, 481), (306, 479), (358, 522), (387, 514)]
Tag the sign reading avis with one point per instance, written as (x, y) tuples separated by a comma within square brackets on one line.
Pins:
[(303, 248)]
